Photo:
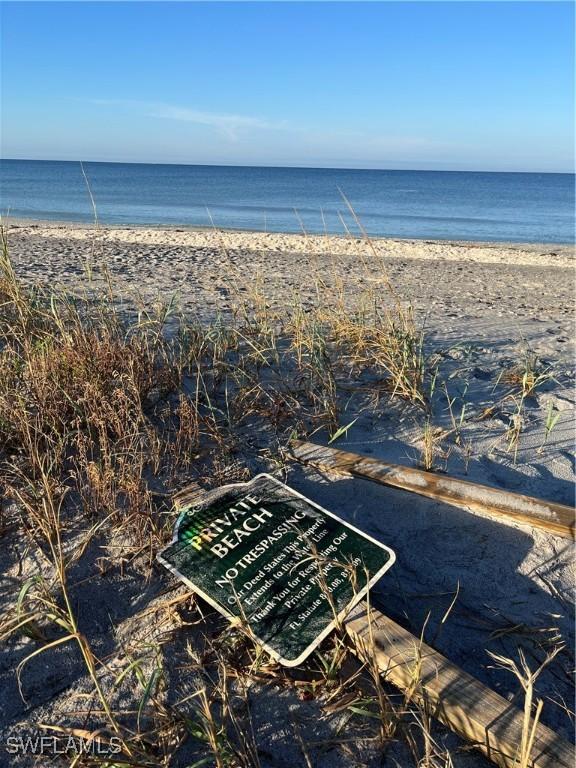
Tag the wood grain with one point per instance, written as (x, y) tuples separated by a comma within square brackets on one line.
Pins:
[(464, 704), (550, 516)]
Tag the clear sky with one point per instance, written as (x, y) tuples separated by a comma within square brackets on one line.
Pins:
[(454, 85)]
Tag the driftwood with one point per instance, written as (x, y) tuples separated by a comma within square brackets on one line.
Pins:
[(552, 517), (465, 705)]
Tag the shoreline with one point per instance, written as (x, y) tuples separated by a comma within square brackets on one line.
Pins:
[(246, 243), (32, 223), (455, 289)]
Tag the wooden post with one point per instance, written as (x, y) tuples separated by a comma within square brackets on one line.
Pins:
[(551, 517), (469, 708)]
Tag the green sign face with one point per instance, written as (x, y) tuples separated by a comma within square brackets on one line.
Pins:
[(264, 553)]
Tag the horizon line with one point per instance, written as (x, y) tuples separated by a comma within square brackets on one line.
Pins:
[(294, 167)]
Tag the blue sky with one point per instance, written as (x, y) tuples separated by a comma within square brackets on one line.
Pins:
[(455, 85)]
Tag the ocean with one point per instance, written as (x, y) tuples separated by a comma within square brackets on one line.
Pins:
[(445, 205)]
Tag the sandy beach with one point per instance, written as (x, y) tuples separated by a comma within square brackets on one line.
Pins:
[(442, 279), (483, 308), (506, 294)]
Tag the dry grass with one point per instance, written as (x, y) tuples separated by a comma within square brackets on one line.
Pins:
[(523, 379), (532, 709)]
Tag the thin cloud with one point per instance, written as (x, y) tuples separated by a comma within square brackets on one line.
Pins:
[(229, 125), (232, 127)]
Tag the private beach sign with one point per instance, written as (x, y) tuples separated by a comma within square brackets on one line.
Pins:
[(264, 554)]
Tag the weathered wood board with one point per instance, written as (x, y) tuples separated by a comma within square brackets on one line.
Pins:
[(548, 515), (454, 697)]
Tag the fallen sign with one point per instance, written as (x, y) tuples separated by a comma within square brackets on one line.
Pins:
[(262, 553), (464, 704)]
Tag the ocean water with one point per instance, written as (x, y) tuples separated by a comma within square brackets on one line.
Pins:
[(451, 205)]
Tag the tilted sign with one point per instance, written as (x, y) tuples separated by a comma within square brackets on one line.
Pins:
[(264, 553)]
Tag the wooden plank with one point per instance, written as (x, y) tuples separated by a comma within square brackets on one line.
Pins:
[(552, 517), (454, 697)]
